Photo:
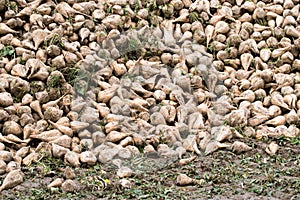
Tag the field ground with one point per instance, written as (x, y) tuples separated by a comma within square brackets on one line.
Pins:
[(222, 175)]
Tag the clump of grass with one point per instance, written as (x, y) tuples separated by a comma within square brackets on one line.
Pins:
[(55, 39), (10, 5), (262, 22), (73, 75), (70, 74), (82, 81), (8, 51), (193, 17), (55, 82), (211, 48), (282, 140)]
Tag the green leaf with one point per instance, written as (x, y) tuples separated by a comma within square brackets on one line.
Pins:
[(11, 52)]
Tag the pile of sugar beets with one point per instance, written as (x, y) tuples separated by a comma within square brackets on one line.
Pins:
[(96, 81)]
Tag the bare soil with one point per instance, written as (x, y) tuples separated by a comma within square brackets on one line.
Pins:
[(222, 175)]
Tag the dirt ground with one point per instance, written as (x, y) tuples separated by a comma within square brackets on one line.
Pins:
[(222, 175)]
